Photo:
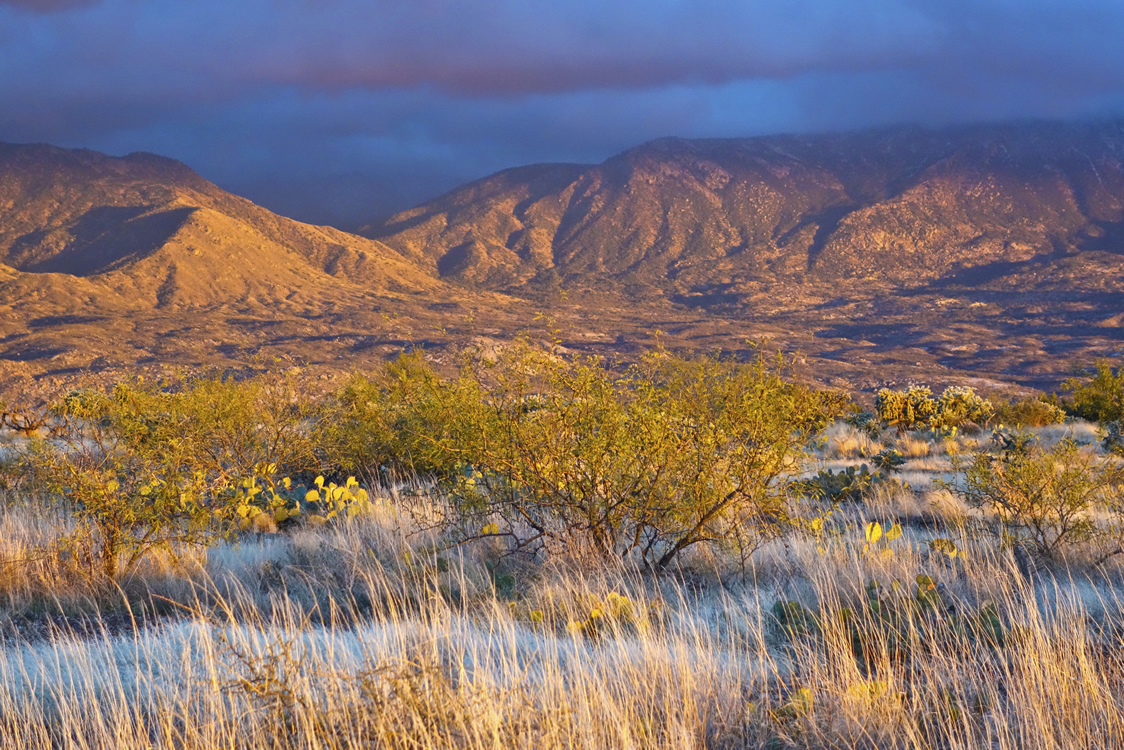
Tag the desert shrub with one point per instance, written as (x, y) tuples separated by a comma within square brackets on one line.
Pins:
[(149, 465), (359, 435), (27, 421), (1013, 442), (131, 490), (1028, 412), (916, 408), (1101, 397), (1042, 497), (400, 419), (551, 451)]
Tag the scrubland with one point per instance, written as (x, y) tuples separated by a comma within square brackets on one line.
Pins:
[(466, 597)]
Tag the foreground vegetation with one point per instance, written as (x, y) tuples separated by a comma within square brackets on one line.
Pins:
[(543, 552)]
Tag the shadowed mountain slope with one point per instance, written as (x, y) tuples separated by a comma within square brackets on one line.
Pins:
[(986, 255), (906, 206), (147, 232)]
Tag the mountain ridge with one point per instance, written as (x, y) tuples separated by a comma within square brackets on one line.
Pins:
[(905, 204), (978, 254)]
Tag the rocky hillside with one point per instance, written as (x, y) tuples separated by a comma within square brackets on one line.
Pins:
[(109, 263), (988, 255), (903, 206), (144, 232)]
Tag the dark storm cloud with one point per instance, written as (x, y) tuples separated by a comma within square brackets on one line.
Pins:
[(397, 99), (46, 6)]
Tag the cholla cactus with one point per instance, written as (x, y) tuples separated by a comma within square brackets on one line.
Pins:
[(959, 404), (905, 409), (916, 408)]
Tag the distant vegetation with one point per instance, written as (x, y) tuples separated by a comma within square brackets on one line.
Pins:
[(548, 550)]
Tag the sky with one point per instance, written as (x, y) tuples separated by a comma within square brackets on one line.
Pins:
[(342, 111)]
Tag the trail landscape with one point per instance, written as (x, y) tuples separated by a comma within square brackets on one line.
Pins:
[(804, 441)]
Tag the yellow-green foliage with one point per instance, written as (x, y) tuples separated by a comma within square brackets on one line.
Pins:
[(958, 405), (916, 408), (1045, 497), (1028, 412), (905, 409), (562, 452), (150, 464), (1101, 397)]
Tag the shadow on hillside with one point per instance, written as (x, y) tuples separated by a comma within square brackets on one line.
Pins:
[(48, 321), (32, 353), (101, 240), (884, 336), (707, 296), (1111, 239)]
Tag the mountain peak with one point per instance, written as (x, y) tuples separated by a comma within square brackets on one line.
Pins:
[(905, 205)]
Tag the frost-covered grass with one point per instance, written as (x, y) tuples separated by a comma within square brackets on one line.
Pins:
[(356, 636), (369, 633)]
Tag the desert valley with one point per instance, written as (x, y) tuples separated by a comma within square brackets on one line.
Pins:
[(987, 255)]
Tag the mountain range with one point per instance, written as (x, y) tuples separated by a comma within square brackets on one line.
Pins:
[(991, 254), (907, 206)]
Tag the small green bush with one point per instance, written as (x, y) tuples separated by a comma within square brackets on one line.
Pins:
[(1028, 412), (1101, 397), (1046, 498)]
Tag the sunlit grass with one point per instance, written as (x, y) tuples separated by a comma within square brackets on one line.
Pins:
[(372, 633), (355, 636)]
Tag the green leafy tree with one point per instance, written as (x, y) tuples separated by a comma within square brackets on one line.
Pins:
[(552, 451), (1101, 398)]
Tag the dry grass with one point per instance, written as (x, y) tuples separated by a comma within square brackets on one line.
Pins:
[(365, 634), (340, 639), (1080, 432), (842, 441), (911, 446)]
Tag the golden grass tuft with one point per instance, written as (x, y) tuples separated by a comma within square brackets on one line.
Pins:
[(911, 446), (842, 441)]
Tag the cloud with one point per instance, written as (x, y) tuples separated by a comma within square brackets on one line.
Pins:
[(47, 6), (409, 97)]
